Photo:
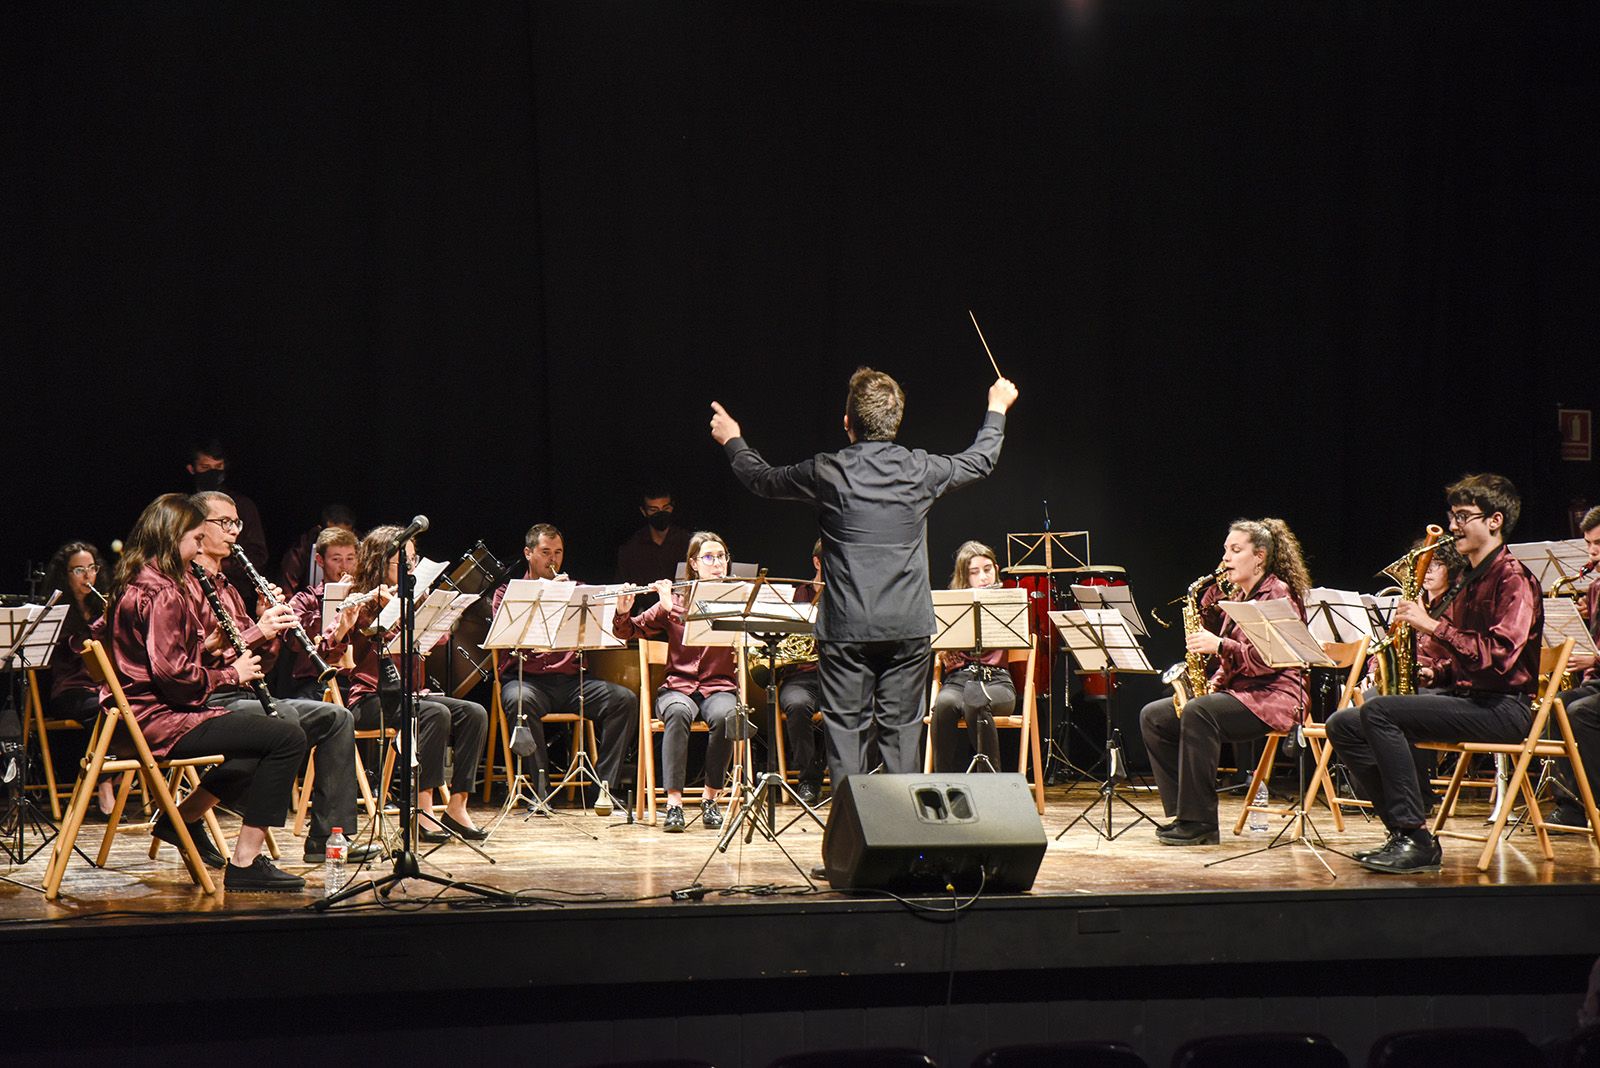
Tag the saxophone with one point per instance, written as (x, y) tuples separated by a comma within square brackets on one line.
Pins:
[(1188, 677), (1402, 640)]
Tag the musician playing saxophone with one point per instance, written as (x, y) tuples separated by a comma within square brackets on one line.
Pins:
[(1583, 700), (328, 727), (1247, 697), (1490, 631), (976, 687)]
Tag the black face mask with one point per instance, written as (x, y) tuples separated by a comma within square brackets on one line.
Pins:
[(209, 480), (659, 520)]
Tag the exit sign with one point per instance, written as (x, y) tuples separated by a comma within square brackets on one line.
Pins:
[(1576, 437)]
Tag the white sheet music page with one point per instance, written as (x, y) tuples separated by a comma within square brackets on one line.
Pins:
[(334, 595), (438, 616), (1562, 621), (1337, 615), (1553, 561), (529, 613), (38, 645)]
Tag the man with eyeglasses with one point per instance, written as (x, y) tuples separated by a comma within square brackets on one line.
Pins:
[(655, 550), (208, 466), (328, 727), (1483, 672), (548, 682)]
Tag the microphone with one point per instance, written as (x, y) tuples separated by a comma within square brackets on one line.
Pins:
[(419, 525)]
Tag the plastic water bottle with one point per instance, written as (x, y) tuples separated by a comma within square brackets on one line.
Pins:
[(1258, 820), (333, 873)]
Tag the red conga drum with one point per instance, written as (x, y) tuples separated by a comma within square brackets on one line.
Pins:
[(1036, 580)]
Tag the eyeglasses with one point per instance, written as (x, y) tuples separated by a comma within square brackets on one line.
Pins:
[(84, 570), (713, 558), (1461, 519), (229, 526)]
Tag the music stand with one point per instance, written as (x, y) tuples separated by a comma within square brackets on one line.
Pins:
[(978, 621), (1103, 644), (1553, 562), (28, 634), (1561, 621), (1338, 616), (1282, 639), (764, 617), (513, 628)]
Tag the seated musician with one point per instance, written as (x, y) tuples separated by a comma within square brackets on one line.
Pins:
[(82, 577), (701, 684), (1583, 700), (1490, 632), (329, 728), (1246, 698), (800, 696), (975, 688), (335, 553), (548, 682), (441, 721), (157, 644)]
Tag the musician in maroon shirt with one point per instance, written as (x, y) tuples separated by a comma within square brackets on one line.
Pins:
[(800, 697), (702, 683), (156, 641), (336, 560), (1583, 700), (1247, 698), (533, 685), (82, 578), (1490, 631), (975, 687)]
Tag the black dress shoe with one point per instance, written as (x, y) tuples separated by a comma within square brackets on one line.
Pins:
[(470, 834), (674, 821), (261, 877), (820, 872), (710, 815), (431, 835), (807, 793), (210, 855), (1567, 815), (1362, 854), (1189, 833), (1407, 851), (1163, 828)]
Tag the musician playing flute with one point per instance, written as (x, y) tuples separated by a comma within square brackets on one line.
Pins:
[(329, 728), (1247, 697), (156, 639), (1583, 700), (702, 683), (1490, 632), (78, 572), (976, 687), (548, 682), (335, 553)]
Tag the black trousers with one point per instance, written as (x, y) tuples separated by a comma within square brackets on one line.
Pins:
[(964, 696), (873, 685), (1583, 711), (800, 695), (677, 712), (263, 754), (330, 730), (442, 722), (611, 708), (1184, 749), (1374, 742)]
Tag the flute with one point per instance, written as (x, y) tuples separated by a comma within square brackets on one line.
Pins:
[(231, 629), (325, 670)]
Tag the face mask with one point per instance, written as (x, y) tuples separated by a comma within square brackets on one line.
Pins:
[(660, 520), (208, 480)]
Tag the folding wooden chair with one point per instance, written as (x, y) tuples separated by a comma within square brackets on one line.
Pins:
[(500, 728), (144, 764), (33, 719), (653, 654), (302, 804), (1024, 719), (1351, 656), (1552, 664)]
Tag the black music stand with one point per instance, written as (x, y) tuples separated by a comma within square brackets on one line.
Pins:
[(405, 859), (1103, 644), (979, 621), (31, 647)]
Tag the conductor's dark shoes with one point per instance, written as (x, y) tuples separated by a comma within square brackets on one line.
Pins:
[(210, 855), (261, 877), (1407, 851), (1189, 833)]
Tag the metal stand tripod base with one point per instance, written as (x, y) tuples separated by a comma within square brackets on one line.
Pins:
[(407, 869), (750, 818), (1108, 795), (1299, 818), (522, 792)]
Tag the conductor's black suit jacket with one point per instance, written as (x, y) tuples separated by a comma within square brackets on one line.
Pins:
[(872, 500)]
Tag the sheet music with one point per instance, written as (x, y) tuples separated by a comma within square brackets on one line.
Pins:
[(40, 644), (1276, 630), (586, 623), (437, 616), (529, 614), (1380, 609), (1553, 561), (1004, 622), (334, 595), (1118, 597), (1085, 630), (1562, 621), (713, 598), (423, 576), (1337, 616)]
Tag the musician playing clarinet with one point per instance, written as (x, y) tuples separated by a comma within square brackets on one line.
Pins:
[(702, 683), (1583, 700), (1490, 631), (329, 728), (157, 640), (1246, 697), (976, 687)]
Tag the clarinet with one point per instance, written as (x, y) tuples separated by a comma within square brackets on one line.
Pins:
[(325, 670), (231, 629)]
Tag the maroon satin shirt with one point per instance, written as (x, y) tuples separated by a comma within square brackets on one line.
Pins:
[(1492, 631), (307, 605), (264, 647), (67, 669), (562, 663), (155, 641), (1592, 674), (1276, 696), (691, 669)]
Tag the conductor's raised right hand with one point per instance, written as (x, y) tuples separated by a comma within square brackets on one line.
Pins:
[(248, 665), (723, 426), (1002, 395)]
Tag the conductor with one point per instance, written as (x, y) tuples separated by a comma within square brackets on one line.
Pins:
[(875, 619)]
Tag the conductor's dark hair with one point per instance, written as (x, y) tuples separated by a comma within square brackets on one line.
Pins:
[(875, 406)]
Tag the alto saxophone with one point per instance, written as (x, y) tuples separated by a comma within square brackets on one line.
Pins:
[(1188, 677), (1402, 640)]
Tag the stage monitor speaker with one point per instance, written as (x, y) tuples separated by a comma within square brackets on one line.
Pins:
[(911, 833)]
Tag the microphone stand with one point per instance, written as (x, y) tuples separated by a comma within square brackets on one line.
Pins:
[(405, 858)]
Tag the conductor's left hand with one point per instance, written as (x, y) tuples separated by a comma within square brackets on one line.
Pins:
[(723, 427)]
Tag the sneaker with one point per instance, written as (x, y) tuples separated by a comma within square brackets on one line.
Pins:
[(210, 855), (261, 877), (674, 822), (1407, 851), (710, 815)]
